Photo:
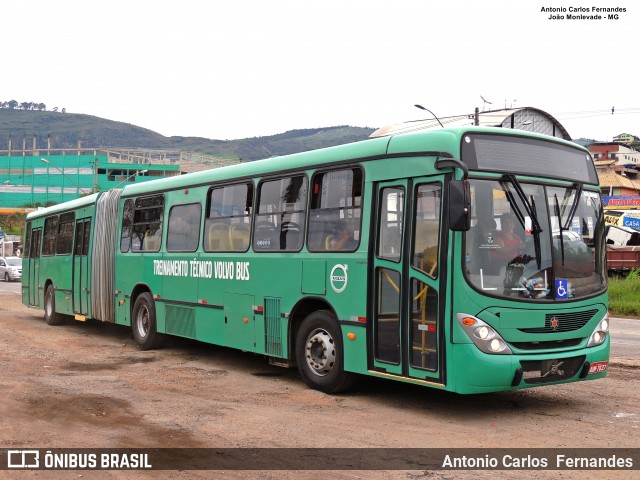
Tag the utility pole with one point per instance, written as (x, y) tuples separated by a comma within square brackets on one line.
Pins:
[(476, 118), (95, 175)]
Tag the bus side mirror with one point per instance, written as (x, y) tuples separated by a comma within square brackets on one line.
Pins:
[(459, 205)]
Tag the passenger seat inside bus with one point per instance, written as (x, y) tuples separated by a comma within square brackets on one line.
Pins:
[(239, 237), (218, 237), (290, 236), (151, 244)]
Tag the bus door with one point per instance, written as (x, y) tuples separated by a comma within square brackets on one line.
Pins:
[(407, 332), (33, 271), (81, 267)]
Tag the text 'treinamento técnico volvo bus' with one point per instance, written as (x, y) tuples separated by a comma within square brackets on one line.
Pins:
[(470, 260)]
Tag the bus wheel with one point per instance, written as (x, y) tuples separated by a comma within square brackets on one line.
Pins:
[(320, 355), (143, 323), (50, 314)]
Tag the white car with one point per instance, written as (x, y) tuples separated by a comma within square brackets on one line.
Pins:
[(10, 268)]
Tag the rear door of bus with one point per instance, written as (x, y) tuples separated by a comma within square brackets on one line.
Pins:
[(81, 279), (32, 273)]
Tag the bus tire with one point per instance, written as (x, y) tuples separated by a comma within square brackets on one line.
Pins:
[(320, 355), (50, 314), (143, 323)]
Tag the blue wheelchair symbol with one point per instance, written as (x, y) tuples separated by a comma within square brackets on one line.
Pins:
[(562, 288)]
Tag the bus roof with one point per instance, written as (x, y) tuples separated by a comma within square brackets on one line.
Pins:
[(441, 141), (66, 206), (434, 142)]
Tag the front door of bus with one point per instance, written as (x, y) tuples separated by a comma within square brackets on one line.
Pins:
[(407, 332), (33, 272), (81, 267)]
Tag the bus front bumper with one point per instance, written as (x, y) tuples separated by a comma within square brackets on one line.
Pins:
[(479, 372)]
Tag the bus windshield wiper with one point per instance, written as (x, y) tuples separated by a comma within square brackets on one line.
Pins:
[(574, 206), (557, 209), (531, 212), (536, 233), (523, 198)]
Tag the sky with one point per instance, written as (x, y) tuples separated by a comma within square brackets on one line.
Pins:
[(224, 69)]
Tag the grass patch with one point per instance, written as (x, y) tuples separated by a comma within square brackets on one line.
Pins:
[(623, 294)]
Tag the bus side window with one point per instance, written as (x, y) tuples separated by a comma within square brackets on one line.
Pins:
[(391, 220), (280, 217), (64, 244), (426, 235), (147, 223), (228, 222), (127, 220), (336, 211), (50, 235), (184, 228)]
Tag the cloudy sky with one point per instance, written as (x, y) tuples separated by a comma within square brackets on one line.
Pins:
[(227, 69)]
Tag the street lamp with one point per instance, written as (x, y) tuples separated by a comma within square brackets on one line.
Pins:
[(80, 189), (130, 176), (434, 115)]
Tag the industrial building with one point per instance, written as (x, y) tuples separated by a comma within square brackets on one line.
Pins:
[(30, 178)]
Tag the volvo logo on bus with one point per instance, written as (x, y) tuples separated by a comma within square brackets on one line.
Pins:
[(339, 278)]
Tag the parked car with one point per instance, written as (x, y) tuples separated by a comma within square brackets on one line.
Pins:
[(10, 268)]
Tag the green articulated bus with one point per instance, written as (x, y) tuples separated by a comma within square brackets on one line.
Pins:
[(470, 260)]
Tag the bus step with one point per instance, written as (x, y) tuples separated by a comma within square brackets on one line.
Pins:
[(281, 362), (80, 318)]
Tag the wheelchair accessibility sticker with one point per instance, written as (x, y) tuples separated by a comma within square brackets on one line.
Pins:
[(562, 288)]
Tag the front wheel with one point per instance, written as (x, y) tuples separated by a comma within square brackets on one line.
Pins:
[(320, 355), (143, 323), (6, 277), (50, 314)]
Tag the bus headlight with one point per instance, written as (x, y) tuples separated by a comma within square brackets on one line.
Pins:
[(600, 333), (482, 332), (483, 335)]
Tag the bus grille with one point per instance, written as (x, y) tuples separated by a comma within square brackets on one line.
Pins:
[(547, 371), (566, 322), (273, 334), (557, 344)]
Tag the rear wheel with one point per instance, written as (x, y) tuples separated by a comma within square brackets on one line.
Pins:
[(320, 355), (143, 323), (50, 314)]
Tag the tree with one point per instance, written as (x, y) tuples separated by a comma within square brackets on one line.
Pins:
[(14, 223), (12, 104)]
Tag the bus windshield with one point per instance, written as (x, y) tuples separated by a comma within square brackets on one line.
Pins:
[(535, 242)]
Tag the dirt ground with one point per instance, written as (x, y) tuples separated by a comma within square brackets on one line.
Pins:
[(83, 385)]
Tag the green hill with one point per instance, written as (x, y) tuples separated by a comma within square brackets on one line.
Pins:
[(67, 129)]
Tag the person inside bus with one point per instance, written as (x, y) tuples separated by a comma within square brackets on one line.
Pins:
[(511, 244), (342, 239)]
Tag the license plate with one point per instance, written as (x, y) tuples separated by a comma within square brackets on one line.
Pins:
[(598, 367)]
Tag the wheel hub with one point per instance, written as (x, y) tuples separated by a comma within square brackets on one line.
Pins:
[(320, 352), (143, 321)]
